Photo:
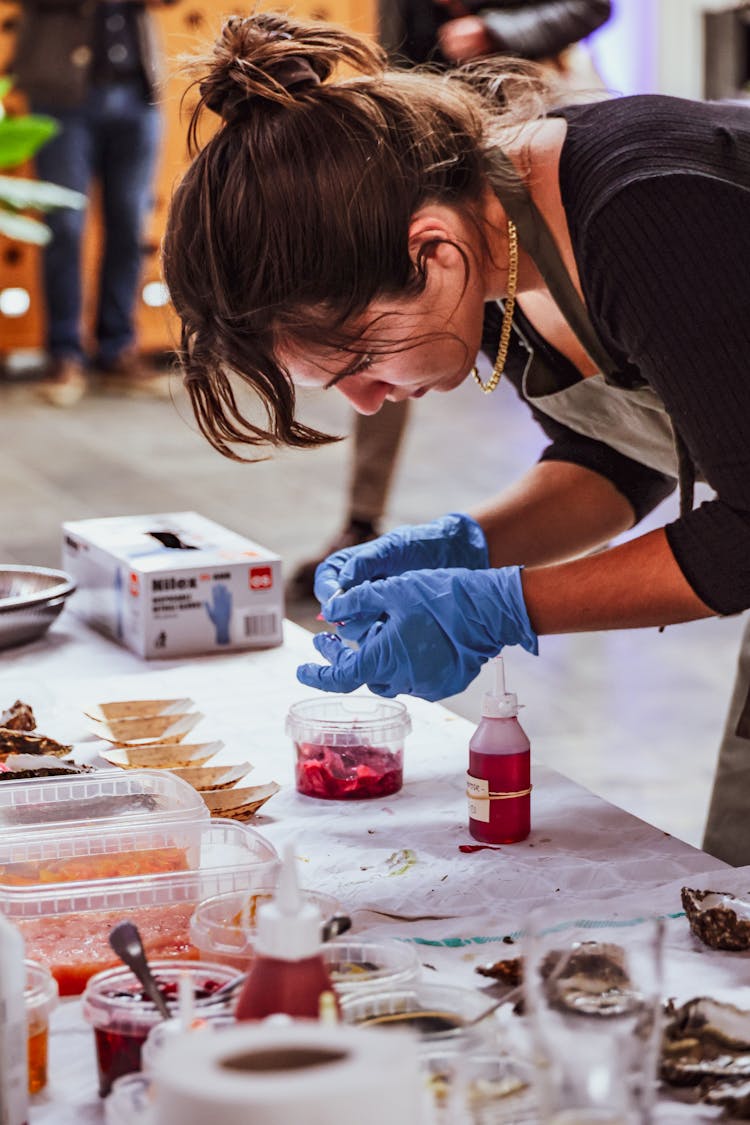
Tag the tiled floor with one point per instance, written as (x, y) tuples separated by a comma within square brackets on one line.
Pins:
[(636, 716)]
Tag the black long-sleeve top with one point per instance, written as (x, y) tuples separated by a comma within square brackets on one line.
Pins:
[(539, 29), (657, 195)]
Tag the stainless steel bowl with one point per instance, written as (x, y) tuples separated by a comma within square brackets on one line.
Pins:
[(31, 597)]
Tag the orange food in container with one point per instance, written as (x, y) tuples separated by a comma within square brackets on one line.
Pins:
[(66, 925), (41, 997)]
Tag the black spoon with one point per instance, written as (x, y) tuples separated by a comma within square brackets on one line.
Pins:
[(127, 944)]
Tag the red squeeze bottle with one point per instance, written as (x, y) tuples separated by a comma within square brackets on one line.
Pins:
[(499, 778), (288, 973)]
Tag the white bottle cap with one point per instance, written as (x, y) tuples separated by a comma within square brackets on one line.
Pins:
[(288, 928), (499, 703)]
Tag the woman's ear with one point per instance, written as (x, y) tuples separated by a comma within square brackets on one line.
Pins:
[(433, 233)]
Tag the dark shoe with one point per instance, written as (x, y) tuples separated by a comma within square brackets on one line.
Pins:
[(130, 374), (301, 584), (64, 383)]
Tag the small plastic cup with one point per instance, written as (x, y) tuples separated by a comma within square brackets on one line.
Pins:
[(223, 928), (348, 748), (122, 1016), (435, 1013), (41, 997), (358, 966)]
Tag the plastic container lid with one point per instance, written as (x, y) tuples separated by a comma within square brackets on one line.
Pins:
[(224, 927), (94, 801), (356, 966), (347, 721), (452, 1005)]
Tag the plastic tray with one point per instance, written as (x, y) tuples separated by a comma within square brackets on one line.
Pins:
[(66, 925), (107, 825)]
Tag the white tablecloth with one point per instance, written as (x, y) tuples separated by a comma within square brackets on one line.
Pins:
[(399, 855)]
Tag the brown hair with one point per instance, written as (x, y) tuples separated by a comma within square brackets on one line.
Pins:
[(294, 216)]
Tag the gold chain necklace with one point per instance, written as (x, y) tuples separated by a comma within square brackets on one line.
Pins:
[(508, 309)]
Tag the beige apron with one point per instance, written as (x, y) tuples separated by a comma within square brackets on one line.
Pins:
[(635, 423)]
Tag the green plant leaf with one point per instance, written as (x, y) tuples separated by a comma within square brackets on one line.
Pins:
[(37, 194), (23, 229), (21, 137)]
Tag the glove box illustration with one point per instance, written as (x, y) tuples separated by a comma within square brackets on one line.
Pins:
[(174, 584)]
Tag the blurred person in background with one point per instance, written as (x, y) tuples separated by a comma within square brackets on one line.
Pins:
[(96, 68), (447, 32)]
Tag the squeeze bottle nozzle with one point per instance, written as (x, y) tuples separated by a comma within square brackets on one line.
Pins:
[(499, 703), (289, 928)]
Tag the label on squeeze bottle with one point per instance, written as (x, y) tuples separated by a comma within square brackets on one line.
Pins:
[(478, 792)]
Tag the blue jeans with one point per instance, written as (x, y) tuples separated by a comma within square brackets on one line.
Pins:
[(112, 137)]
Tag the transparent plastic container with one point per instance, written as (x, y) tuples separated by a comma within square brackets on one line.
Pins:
[(358, 966), (223, 928), (435, 1013), (121, 1016), (66, 925), (41, 997), (348, 748), (130, 1101), (110, 824)]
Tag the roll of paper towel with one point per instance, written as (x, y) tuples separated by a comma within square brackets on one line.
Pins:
[(302, 1072)]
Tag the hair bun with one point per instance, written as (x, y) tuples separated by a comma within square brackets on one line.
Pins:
[(271, 58)]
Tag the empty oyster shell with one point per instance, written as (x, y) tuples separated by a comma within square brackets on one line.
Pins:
[(137, 709), (590, 979), (717, 918), (705, 1040), (213, 777), (159, 728), (160, 755), (731, 1096), (239, 804)]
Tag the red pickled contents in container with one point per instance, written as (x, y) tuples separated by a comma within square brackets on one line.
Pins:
[(75, 946), (119, 1052), (347, 773)]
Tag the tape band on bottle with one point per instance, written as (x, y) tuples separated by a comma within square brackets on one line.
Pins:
[(498, 796)]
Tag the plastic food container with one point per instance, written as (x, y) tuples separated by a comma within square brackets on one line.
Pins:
[(106, 825), (436, 1013), (223, 927), (66, 925), (122, 1015), (348, 748), (41, 997), (356, 966)]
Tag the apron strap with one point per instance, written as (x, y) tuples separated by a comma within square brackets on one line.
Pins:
[(538, 241)]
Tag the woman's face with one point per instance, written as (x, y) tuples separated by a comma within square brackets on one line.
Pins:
[(418, 344)]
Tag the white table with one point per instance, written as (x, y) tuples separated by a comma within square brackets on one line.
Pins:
[(581, 848)]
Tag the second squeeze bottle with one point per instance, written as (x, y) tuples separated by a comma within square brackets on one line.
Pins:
[(499, 778)]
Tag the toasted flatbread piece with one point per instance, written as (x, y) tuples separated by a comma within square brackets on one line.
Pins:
[(161, 756), (159, 728), (239, 804), (137, 709), (213, 777)]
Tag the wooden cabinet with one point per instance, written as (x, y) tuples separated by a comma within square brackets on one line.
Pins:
[(183, 26)]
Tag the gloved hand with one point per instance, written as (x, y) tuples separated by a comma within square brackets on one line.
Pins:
[(220, 612), (452, 540), (425, 633)]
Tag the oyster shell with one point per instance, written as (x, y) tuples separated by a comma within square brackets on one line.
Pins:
[(590, 979), (734, 1097), (705, 1041), (719, 919)]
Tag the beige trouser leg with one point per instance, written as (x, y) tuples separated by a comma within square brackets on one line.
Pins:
[(728, 826), (377, 438)]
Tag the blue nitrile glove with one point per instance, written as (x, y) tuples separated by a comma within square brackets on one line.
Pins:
[(428, 632), (452, 540), (220, 611)]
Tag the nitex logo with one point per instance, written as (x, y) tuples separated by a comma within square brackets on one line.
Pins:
[(260, 577)]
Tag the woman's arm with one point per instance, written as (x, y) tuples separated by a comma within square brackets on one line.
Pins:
[(635, 585), (554, 512)]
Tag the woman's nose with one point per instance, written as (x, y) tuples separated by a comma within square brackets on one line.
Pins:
[(365, 395)]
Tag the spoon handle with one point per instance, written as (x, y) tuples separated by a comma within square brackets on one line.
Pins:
[(126, 942)]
